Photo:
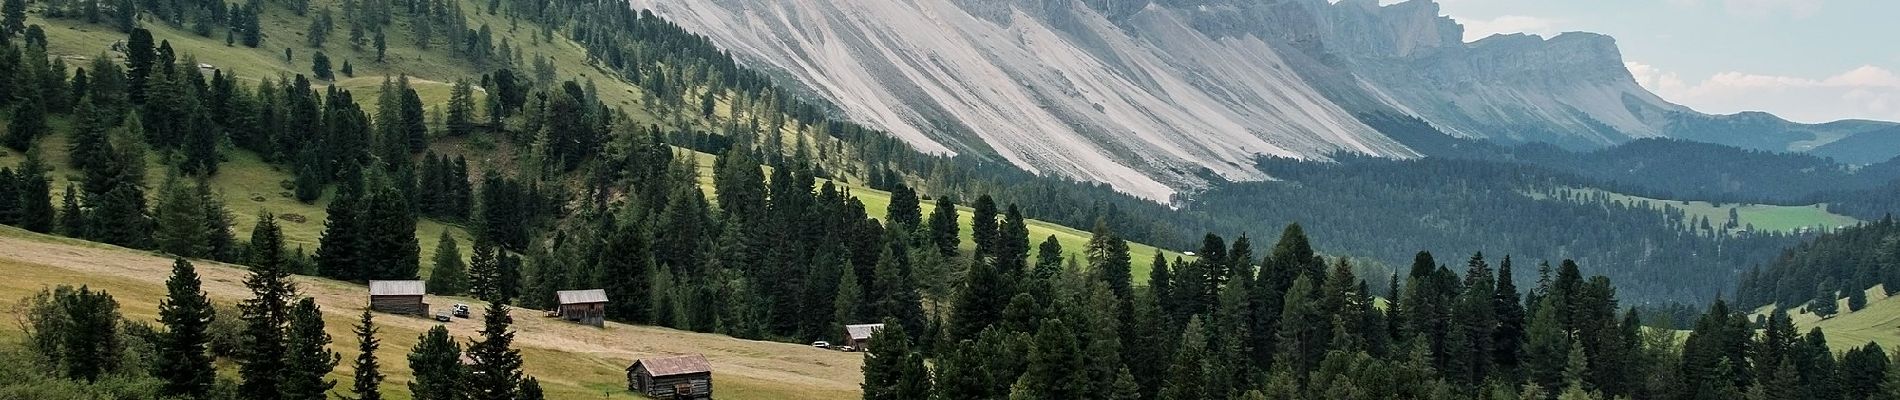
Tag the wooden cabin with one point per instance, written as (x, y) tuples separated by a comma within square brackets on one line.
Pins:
[(397, 297), (676, 377), (858, 336), (583, 306)]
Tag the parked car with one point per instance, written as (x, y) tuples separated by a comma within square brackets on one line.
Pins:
[(847, 349), (443, 316), (821, 344), (461, 310)]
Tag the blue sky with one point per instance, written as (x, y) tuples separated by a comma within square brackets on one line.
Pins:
[(1806, 60)]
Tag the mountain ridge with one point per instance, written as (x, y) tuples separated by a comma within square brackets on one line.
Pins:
[(1156, 97)]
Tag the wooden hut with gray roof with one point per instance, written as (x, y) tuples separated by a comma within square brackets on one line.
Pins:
[(397, 297), (583, 306), (858, 336), (675, 377)]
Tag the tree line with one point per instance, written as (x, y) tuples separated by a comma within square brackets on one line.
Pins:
[(1295, 325)]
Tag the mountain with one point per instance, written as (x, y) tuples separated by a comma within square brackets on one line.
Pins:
[(1157, 97)]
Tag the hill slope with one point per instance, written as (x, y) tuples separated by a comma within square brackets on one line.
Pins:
[(572, 361)]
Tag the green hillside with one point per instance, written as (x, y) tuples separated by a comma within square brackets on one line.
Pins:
[(1762, 217)]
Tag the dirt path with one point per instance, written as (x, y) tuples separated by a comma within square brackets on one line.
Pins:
[(775, 370)]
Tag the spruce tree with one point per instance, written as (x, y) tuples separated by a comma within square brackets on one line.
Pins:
[(630, 271), (450, 275), (180, 221), (36, 202), (184, 363), (1187, 372), (267, 244), (368, 381), (461, 115), (891, 370), (980, 303), (320, 67), (1055, 363), (261, 358), (943, 228), (72, 219), (437, 363), (307, 356), (496, 374)]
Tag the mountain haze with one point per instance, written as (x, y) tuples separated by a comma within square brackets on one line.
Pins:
[(1157, 97)]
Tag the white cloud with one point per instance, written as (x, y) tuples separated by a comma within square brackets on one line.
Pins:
[(1866, 92), (1478, 29), (1764, 8)]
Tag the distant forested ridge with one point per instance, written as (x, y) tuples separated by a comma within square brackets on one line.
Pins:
[(1388, 209)]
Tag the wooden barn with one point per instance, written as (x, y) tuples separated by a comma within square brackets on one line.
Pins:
[(583, 306), (397, 297), (857, 336), (676, 377)]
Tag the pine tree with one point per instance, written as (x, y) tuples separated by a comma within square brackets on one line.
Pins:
[(449, 276), (307, 355), (186, 312), (1055, 363), (181, 225), (261, 359), (1547, 349), (631, 269), (267, 244), (369, 377), (496, 374), (27, 125), (1187, 373), (891, 370), (12, 19), (980, 303), (72, 219), (36, 202), (943, 228), (483, 272), (437, 363), (461, 114), (320, 66), (848, 304)]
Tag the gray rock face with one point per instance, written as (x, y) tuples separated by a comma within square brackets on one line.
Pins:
[(1156, 96)]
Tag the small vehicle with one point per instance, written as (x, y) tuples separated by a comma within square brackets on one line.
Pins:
[(460, 310), (847, 349), (821, 344), (443, 316)]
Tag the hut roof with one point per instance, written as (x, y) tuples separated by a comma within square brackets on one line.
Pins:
[(674, 365), (862, 332), (395, 288), (582, 296)]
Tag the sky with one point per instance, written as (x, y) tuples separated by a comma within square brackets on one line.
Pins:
[(1805, 60)]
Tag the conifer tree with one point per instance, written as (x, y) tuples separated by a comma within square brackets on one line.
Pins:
[(484, 272), (320, 66), (1055, 363), (496, 374), (27, 125), (943, 228), (184, 363), (449, 276), (437, 363), (267, 244), (368, 381), (1187, 373), (261, 359), (36, 202), (980, 303), (1547, 350), (72, 219), (181, 225), (630, 270), (847, 306), (461, 113), (307, 357), (891, 370)]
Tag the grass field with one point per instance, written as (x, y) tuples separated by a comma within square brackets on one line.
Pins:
[(1763, 217), (1879, 322), (572, 361)]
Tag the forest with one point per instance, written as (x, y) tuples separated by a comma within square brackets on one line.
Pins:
[(782, 251)]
